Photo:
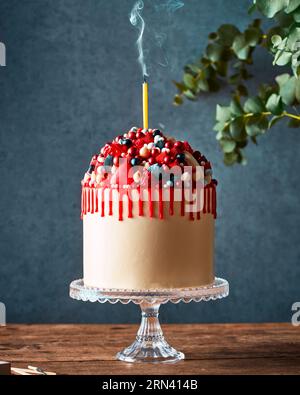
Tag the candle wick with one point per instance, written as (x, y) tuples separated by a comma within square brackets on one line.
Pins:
[(145, 79)]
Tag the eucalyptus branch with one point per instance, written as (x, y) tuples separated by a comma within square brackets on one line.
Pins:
[(226, 60)]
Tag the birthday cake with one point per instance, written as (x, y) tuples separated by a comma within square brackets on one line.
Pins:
[(148, 210)]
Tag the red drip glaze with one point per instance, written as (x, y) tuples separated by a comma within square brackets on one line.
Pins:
[(82, 203), (150, 203), (208, 199), (110, 209), (205, 200), (96, 201), (85, 201), (171, 204), (89, 200), (92, 200), (141, 205), (102, 203), (161, 204), (214, 202), (120, 207), (129, 205), (90, 203), (182, 208)]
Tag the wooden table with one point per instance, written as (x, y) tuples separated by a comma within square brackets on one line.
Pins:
[(209, 348)]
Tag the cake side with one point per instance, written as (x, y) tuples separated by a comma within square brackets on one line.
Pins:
[(148, 253)]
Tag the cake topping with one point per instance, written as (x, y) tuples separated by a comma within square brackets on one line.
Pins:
[(150, 149), (147, 159)]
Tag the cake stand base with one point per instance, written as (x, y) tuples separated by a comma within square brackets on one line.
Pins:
[(150, 344)]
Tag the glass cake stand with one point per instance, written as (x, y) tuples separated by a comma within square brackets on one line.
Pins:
[(150, 344)]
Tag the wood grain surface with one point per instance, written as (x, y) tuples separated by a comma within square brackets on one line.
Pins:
[(209, 348)]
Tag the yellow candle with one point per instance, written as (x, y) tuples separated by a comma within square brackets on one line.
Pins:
[(145, 105)]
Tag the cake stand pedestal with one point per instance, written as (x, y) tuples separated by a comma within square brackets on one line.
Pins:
[(150, 344)]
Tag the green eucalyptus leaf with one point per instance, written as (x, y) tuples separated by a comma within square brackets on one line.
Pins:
[(189, 81), (266, 90), (292, 5), (227, 145), (243, 143), (257, 125), (241, 47), (274, 104), (230, 158), (293, 38), (190, 95), (219, 135), (297, 89), (236, 108), (254, 105), (253, 36), (283, 45), (241, 159), (223, 114), (254, 140), (287, 89), (219, 126), (252, 8), (180, 86), (276, 40), (221, 68), (237, 129), (178, 100), (282, 79), (282, 58), (202, 85), (214, 52), (296, 15), (242, 90), (271, 7), (194, 68), (227, 33), (284, 20), (274, 31), (212, 36)]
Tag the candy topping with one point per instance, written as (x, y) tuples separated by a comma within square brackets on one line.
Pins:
[(156, 157)]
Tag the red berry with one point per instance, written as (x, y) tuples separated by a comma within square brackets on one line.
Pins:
[(179, 146), (131, 151), (116, 161), (151, 161), (160, 157), (167, 160), (155, 151), (187, 147), (139, 135), (148, 138), (139, 143), (169, 144), (196, 155), (118, 138), (131, 135)]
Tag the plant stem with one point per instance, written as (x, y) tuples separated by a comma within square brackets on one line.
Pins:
[(267, 113), (291, 115)]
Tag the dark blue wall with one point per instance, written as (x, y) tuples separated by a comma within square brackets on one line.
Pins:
[(71, 83)]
